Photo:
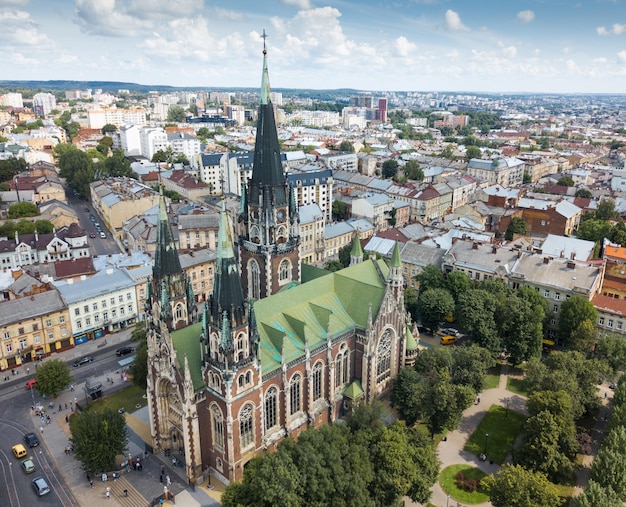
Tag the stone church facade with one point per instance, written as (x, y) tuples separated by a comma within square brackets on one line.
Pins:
[(279, 347)]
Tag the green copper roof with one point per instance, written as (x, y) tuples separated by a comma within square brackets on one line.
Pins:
[(354, 390), (265, 81), (411, 343), (357, 250), (395, 257), (187, 341), (287, 320)]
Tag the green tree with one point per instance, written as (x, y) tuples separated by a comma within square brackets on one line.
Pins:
[(433, 305), (52, 377), (98, 438), (476, 311), (514, 486), (161, 156), (410, 303), (431, 277), (606, 210), (139, 368), (444, 408), (413, 170), (521, 328), (593, 230), (565, 181), (596, 496), (340, 210), (44, 226), (176, 114), (472, 152), (457, 283), (344, 255), (612, 349), (346, 146), (108, 129), (583, 337), (608, 467), (583, 192), (333, 265), (118, 165), (389, 168), (23, 209), (517, 225), (573, 312)]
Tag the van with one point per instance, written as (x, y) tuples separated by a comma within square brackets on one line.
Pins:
[(448, 340)]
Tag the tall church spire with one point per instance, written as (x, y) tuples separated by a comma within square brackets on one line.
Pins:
[(166, 261)]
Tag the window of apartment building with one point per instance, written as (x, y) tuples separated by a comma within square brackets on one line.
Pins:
[(120, 298), (51, 336), (79, 324), (609, 323), (130, 308), (37, 339), (113, 313), (104, 303), (543, 222), (62, 319), (63, 331), (20, 331), (128, 296), (202, 284), (36, 326), (197, 234), (77, 311), (22, 344), (87, 321), (555, 309), (193, 275), (553, 322), (122, 311), (557, 296), (96, 318), (112, 301), (86, 309), (477, 276), (105, 316), (546, 293), (48, 323), (187, 237), (95, 306), (9, 347), (601, 321), (619, 325), (202, 273)]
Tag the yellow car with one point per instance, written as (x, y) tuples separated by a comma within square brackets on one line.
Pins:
[(19, 451), (448, 340), (28, 465)]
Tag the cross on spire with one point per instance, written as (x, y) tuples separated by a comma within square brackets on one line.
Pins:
[(264, 37)]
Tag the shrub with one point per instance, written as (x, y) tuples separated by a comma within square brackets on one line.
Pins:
[(466, 484)]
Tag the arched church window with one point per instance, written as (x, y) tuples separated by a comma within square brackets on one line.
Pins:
[(271, 408), (284, 271), (218, 426), (318, 387), (179, 311), (248, 377), (342, 367), (255, 234), (383, 357), (295, 394), (246, 425), (255, 280)]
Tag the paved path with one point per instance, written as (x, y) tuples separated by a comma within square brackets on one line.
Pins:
[(451, 451)]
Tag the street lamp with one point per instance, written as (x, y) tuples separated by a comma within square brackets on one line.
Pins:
[(448, 500), (486, 437)]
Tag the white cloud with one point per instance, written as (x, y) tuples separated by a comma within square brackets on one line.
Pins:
[(508, 51), (300, 4), (226, 14), (182, 38), (14, 2), (403, 46), (19, 29), (159, 9), (616, 29), (621, 56), (453, 21), (107, 17), (13, 15), (525, 16)]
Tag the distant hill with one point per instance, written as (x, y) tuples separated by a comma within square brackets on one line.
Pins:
[(114, 86)]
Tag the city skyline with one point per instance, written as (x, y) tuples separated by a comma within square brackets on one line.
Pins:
[(420, 45)]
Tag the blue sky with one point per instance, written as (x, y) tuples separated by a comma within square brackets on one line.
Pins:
[(564, 46)]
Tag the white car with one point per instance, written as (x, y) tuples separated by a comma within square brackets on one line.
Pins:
[(450, 331)]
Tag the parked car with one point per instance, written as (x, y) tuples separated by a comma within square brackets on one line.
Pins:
[(87, 210), (448, 340), (28, 465), (31, 383), (31, 440), (19, 451), (450, 331), (40, 486), (103, 235), (84, 360), (92, 235), (122, 351)]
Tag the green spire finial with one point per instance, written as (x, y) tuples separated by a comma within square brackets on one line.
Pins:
[(265, 80), (395, 258)]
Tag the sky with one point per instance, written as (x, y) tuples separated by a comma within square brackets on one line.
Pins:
[(534, 46)]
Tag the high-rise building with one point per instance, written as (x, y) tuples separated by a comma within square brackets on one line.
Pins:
[(12, 100), (44, 103)]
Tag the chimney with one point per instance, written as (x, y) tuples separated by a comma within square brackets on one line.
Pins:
[(474, 246), (519, 254), (571, 265), (546, 260), (494, 249), (572, 255)]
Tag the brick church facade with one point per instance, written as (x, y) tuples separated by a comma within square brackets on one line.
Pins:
[(279, 347)]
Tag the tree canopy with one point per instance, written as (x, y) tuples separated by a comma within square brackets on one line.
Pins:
[(23, 209), (514, 486), (176, 114), (389, 168), (98, 438), (52, 377), (573, 312)]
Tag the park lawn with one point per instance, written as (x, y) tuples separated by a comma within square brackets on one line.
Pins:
[(502, 426), (130, 398), (517, 385), (447, 480), (565, 491), (492, 379)]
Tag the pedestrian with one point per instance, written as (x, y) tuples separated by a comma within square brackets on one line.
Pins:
[(168, 481), (88, 478), (90, 483), (60, 407), (67, 418), (162, 469), (161, 478), (27, 371), (605, 395), (41, 429), (71, 406), (107, 492), (66, 406)]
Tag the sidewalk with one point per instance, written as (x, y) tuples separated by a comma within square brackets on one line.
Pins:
[(142, 487)]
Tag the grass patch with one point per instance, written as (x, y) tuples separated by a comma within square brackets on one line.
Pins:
[(565, 491), (517, 385), (128, 398), (502, 426), (448, 483), (492, 379)]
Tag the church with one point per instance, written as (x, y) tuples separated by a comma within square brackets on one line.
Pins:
[(280, 347)]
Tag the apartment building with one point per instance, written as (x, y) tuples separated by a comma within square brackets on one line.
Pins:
[(33, 327), (151, 140), (502, 171), (44, 103), (184, 144), (199, 266), (313, 187), (312, 223), (197, 231), (98, 118)]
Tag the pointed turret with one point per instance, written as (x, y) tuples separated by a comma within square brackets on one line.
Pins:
[(356, 254), (166, 261), (395, 267)]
